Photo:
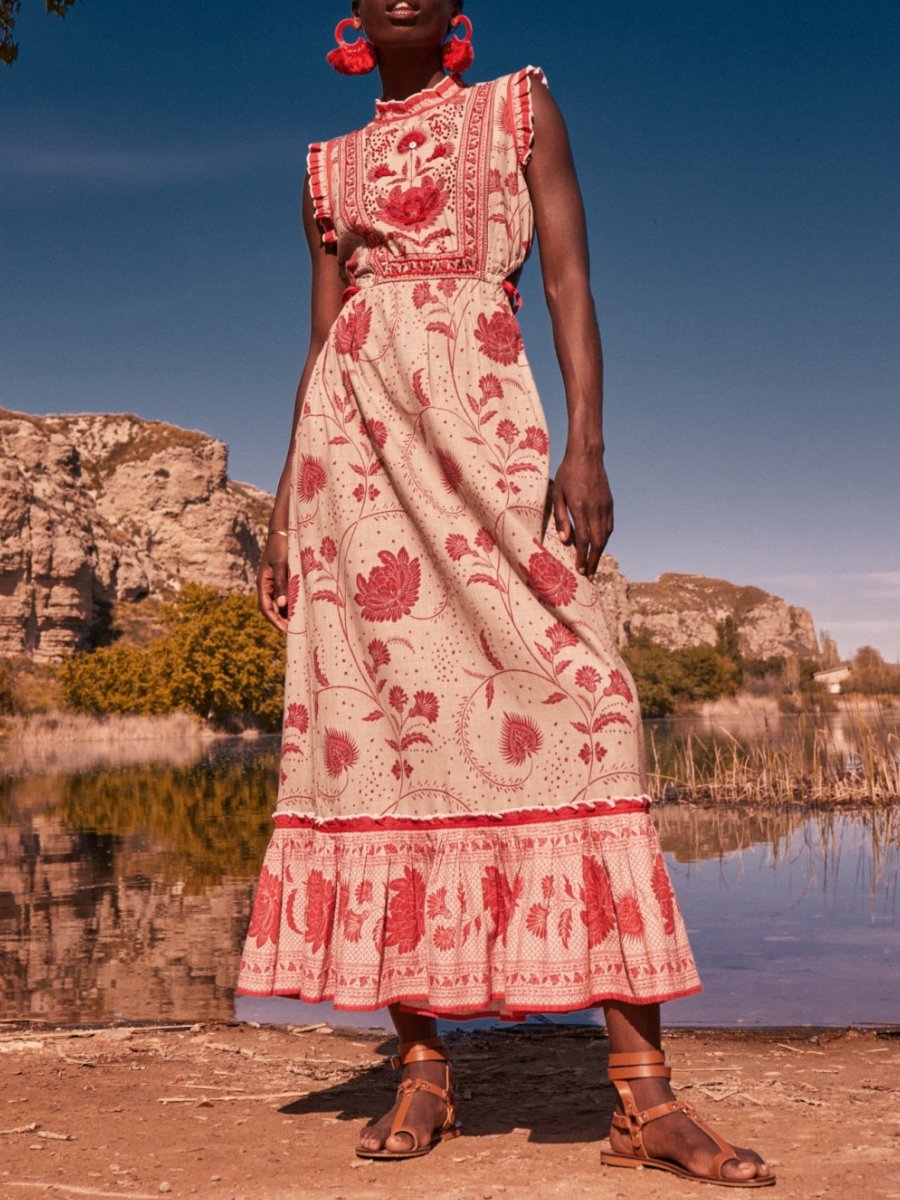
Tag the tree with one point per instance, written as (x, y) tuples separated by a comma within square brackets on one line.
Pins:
[(666, 677), (217, 657), (727, 642), (871, 675), (656, 674), (9, 10), (707, 674)]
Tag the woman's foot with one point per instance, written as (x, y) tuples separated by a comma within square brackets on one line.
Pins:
[(676, 1138), (427, 1113)]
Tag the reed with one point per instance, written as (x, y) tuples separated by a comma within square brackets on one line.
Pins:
[(817, 762), (54, 727)]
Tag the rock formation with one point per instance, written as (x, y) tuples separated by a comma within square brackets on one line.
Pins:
[(96, 508), (99, 508), (682, 610)]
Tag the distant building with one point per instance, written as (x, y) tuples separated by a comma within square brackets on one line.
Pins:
[(832, 679)]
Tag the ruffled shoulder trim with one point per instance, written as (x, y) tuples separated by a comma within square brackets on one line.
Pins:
[(317, 165), (521, 110)]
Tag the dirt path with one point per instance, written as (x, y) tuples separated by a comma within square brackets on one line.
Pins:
[(233, 1112)]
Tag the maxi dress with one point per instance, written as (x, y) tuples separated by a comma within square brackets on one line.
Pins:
[(462, 822)]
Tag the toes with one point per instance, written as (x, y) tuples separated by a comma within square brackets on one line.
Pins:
[(399, 1143), (744, 1168), (750, 1156), (371, 1138)]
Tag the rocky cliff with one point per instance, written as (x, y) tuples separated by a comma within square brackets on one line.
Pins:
[(683, 610), (98, 508)]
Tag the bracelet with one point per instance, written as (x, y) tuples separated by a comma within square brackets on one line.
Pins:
[(280, 532)]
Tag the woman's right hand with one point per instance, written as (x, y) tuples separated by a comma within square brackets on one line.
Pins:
[(272, 581)]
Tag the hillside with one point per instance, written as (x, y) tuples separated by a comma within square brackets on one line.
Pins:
[(109, 510), (682, 610), (100, 508)]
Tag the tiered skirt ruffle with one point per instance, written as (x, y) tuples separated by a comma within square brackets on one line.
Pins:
[(536, 911)]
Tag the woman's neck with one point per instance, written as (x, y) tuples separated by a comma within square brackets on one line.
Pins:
[(404, 75)]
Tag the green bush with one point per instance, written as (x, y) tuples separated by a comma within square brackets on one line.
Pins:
[(218, 657), (765, 668), (666, 678)]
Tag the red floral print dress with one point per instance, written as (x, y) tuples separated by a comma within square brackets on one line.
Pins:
[(462, 824)]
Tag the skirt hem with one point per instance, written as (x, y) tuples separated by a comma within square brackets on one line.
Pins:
[(406, 1003)]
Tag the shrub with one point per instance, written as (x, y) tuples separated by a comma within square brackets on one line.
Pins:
[(665, 678), (26, 687), (218, 657), (871, 675), (7, 695)]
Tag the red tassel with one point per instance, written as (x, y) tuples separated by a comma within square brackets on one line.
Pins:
[(457, 53), (351, 58)]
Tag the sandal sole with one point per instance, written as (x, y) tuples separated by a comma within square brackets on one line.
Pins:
[(660, 1164)]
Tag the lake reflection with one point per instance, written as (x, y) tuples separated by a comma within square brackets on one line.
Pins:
[(125, 891)]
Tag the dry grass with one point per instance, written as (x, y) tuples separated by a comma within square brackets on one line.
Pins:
[(59, 727), (854, 762)]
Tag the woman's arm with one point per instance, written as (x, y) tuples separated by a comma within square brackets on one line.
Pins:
[(582, 501), (325, 304)]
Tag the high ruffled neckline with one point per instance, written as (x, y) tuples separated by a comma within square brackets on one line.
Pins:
[(448, 86)]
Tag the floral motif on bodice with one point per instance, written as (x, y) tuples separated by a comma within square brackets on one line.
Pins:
[(433, 186)]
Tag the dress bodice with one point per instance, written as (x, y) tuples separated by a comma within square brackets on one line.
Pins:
[(434, 186)]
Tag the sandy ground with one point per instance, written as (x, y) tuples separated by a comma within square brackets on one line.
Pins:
[(235, 1112)]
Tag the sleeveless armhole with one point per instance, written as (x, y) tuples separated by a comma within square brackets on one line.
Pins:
[(521, 110), (317, 165)]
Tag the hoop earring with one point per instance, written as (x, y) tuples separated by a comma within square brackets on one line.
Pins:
[(457, 54), (352, 58)]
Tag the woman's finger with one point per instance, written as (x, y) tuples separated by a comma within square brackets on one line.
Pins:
[(582, 540), (561, 516), (598, 541), (265, 593), (280, 584)]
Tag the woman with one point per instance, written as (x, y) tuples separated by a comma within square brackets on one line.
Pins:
[(462, 824)]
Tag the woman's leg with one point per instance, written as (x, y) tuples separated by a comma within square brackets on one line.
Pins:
[(633, 1028), (426, 1112)]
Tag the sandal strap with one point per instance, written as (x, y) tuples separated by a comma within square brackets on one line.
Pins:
[(424, 1085), (407, 1090), (424, 1050), (726, 1151), (639, 1064), (633, 1120), (650, 1071), (637, 1058), (397, 1125)]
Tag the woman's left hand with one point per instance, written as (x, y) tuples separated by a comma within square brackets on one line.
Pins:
[(583, 507)]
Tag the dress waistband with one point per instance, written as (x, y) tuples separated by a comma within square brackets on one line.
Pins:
[(512, 292)]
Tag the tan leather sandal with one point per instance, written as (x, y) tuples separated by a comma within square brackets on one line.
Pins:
[(650, 1064), (424, 1050)]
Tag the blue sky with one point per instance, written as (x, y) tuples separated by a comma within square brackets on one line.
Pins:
[(740, 171)]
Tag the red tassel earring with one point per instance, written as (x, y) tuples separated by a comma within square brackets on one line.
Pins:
[(352, 58), (457, 53)]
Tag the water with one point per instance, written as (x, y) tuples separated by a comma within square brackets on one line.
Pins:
[(125, 892)]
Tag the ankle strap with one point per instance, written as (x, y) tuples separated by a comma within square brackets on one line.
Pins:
[(424, 1050), (637, 1058), (642, 1064)]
